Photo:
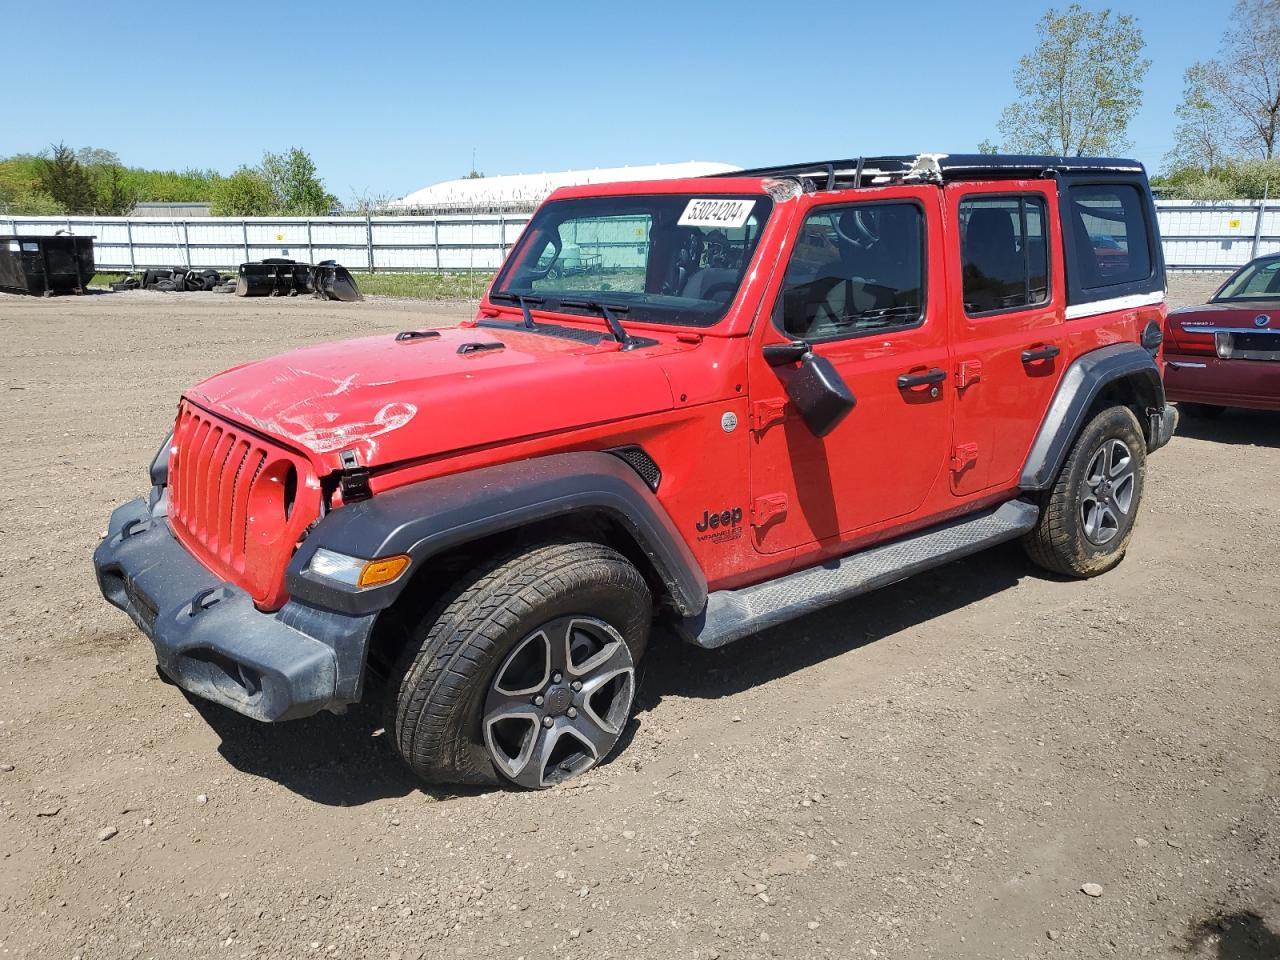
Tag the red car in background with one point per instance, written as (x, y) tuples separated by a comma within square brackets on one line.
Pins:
[(1226, 353)]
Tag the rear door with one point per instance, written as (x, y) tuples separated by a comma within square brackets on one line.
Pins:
[(1006, 312), (863, 286)]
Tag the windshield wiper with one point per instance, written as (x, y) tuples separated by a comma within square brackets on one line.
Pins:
[(607, 310), (523, 300)]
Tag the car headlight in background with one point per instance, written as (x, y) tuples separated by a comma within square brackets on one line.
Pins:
[(354, 571)]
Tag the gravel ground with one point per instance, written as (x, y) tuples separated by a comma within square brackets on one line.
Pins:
[(942, 769)]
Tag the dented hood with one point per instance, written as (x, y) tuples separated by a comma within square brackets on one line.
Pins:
[(392, 400)]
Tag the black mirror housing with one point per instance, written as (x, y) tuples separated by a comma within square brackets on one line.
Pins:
[(819, 393)]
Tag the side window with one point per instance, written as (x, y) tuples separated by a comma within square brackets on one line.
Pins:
[(1110, 233), (855, 269), (1003, 252)]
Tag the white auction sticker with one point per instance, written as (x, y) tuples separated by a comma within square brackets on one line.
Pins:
[(716, 212)]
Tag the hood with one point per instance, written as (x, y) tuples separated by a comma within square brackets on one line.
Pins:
[(392, 400)]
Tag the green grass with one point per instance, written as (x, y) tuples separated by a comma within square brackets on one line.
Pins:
[(424, 286), (416, 286)]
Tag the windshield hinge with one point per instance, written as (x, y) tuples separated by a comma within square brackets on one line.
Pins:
[(354, 482)]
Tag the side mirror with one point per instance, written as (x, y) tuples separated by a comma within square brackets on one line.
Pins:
[(815, 386)]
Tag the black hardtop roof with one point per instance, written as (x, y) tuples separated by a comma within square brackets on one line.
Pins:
[(940, 167)]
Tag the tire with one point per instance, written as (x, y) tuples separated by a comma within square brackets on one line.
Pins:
[(1202, 411), (480, 697), (1087, 517)]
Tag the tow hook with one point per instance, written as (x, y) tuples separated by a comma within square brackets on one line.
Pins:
[(205, 599)]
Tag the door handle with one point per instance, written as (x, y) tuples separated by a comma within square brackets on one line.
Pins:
[(1047, 352), (909, 380)]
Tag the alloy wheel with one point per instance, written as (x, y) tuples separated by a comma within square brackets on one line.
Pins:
[(1107, 499), (559, 702)]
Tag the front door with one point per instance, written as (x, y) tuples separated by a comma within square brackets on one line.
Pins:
[(863, 288)]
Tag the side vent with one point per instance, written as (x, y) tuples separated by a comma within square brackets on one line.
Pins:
[(641, 463)]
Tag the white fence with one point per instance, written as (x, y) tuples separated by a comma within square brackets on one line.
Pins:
[(405, 244), (1217, 235), (1197, 236)]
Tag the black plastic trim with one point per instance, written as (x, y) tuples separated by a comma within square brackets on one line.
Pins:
[(159, 469), (426, 518), (1081, 384)]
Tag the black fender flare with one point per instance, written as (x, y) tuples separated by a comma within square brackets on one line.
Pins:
[(426, 518), (1079, 387)]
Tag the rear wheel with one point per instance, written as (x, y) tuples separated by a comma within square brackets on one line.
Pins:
[(526, 671), (1086, 519)]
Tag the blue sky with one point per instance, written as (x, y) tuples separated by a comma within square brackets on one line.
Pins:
[(389, 97)]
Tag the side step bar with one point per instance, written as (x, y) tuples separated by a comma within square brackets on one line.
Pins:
[(733, 614)]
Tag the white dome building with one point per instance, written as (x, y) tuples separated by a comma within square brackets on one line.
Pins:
[(522, 192)]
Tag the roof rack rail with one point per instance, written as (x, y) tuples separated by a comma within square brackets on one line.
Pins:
[(857, 172)]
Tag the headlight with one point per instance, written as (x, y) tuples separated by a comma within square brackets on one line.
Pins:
[(355, 572)]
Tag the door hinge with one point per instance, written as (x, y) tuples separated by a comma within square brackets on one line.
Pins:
[(968, 371), (767, 509), (963, 456), (765, 413)]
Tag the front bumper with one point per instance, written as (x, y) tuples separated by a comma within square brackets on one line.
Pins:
[(1195, 378), (212, 641)]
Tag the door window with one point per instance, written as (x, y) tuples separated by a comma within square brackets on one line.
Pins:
[(855, 269), (1004, 254)]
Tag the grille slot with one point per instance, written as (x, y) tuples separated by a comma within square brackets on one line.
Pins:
[(227, 502)]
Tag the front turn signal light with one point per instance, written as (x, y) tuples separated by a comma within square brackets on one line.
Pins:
[(378, 572), (355, 571)]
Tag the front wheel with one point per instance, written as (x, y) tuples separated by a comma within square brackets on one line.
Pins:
[(526, 672), (1086, 519)]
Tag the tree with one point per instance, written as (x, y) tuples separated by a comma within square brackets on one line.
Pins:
[(97, 157), (66, 181), (1200, 141), (1080, 87), (115, 198), (292, 179), (1241, 86), (245, 193)]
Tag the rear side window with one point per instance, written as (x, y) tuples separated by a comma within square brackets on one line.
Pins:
[(1110, 233), (1004, 255)]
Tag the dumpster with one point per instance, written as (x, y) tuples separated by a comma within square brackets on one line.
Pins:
[(46, 265)]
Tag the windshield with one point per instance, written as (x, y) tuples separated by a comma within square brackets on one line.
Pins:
[(1259, 280), (675, 259)]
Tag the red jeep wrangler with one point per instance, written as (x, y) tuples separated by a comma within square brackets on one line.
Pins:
[(721, 402)]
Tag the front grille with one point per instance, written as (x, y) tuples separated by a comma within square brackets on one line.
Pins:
[(238, 502)]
